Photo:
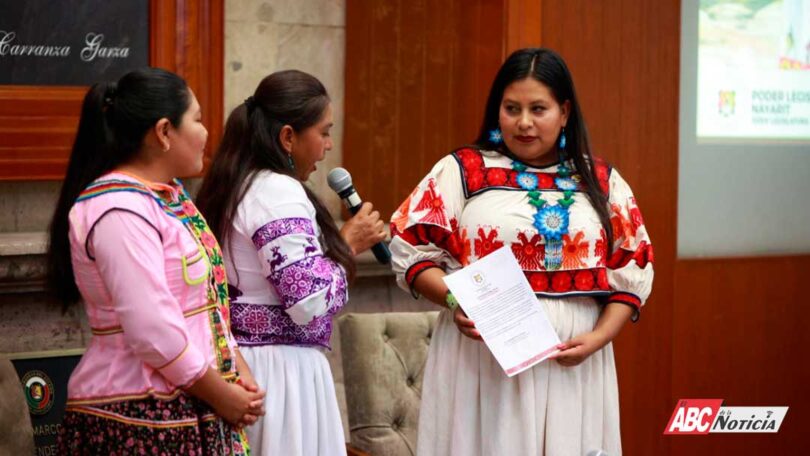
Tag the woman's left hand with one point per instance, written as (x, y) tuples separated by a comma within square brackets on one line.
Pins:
[(577, 349), (248, 382)]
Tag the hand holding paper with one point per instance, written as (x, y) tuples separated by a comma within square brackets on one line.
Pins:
[(495, 294)]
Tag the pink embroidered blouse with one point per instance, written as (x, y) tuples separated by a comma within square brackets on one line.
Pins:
[(142, 276)]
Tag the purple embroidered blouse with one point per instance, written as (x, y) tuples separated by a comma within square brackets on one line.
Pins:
[(284, 289)]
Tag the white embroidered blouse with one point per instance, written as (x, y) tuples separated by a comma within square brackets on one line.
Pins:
[(471, 204)]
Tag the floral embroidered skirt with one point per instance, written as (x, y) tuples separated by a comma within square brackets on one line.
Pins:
[(183, 425)]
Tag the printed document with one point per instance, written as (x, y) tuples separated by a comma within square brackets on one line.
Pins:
[(495, 294)]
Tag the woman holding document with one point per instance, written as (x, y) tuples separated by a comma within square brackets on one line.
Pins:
[(531, 184)]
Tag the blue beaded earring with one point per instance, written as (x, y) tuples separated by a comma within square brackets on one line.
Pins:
[(495, 136), (290, 162), (563, 170)]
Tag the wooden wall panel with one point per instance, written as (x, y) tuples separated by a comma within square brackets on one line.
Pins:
[(416, 84), (741, 332), (728, 328), (38, 123), (624, 57)]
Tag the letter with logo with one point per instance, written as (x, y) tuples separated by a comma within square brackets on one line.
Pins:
[(495, 294)]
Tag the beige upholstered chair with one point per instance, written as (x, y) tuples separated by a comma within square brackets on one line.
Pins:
[(383, 360), (17, 436)]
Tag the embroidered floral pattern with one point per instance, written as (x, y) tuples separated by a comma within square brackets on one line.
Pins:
[(260, 324), (183, 425), (304, 278), (591, 281), (487, 243), (282, 227), (477, 177), (551, 222), (642, 255), (449, 241), (217, 285)]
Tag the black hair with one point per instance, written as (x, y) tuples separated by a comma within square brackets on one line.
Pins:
[(251, 143), (114, 120), (548, 68)]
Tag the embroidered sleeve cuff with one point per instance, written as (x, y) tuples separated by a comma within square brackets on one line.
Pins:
[(186, 368), (628, 299), (414, 270)]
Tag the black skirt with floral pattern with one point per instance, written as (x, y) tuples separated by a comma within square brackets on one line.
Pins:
[(180, 426)]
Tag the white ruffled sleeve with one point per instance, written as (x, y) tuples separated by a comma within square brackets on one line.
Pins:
[(630, 265), (283, 229), (424, 229)]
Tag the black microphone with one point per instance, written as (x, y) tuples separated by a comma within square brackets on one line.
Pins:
[(341, 182)]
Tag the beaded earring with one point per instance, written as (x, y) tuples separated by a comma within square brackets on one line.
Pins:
[(495, 136), (290, 162), (563, 169)]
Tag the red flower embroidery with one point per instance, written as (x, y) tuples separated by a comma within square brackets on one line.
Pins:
[(487, 243), (475, 180), (189, 208), (601, 170), (544, 180), (602, 280), (219, 274), (433, 203), (470, 159), (561, 281), (583, 280), (208, 239), (529, 252), (496, 176), (539, 281), (575, 251)]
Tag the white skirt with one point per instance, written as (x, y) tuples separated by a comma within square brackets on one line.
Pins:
[(470, 407), (301, 409)]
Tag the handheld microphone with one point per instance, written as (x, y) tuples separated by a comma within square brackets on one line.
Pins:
[(341, 182)]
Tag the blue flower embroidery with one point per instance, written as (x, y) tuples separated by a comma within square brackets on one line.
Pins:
[(551, 222), (565, 183), (527, 181)]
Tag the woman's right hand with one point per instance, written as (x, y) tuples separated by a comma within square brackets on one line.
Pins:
[(465, 325), (364, 229)]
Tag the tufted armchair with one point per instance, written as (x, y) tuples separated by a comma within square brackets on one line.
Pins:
[(383, 360), (17, 436)]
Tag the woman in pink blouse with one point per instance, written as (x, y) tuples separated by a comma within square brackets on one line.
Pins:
[(161, 373)]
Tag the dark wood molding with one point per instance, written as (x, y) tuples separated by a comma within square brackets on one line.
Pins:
[(38, 123)]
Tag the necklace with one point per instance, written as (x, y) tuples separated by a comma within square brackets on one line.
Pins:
[(551, 221)]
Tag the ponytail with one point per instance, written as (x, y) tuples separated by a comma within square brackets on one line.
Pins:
[(114, 120)]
